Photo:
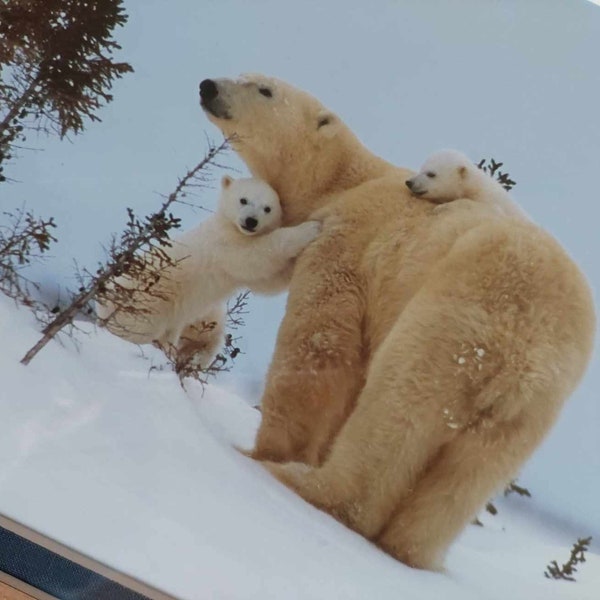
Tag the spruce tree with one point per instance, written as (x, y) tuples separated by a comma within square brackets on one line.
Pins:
[(56, 66)]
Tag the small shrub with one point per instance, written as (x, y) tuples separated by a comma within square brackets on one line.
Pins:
[(23, 240), (566, 571), (493, 170)]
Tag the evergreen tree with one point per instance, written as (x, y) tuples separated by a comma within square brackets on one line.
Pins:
[(56, 65)]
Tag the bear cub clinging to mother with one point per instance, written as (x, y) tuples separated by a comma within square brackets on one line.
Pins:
[(241, 246)]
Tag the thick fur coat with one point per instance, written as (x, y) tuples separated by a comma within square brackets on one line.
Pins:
[(424, 354)]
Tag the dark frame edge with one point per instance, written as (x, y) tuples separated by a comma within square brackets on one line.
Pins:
[(76, 557)]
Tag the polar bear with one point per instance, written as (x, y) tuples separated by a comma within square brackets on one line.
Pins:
[(423, 354), (241, 246), (449, 175)]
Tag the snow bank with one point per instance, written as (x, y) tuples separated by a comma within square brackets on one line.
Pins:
[(113, 458)]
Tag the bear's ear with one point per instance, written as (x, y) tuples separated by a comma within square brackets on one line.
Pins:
[(462, 171), (326, 123), (226, 181)]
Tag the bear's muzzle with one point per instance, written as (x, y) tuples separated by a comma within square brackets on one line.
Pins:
[(211, 101)]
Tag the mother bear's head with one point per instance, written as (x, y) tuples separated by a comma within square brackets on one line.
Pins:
[(288, 138)]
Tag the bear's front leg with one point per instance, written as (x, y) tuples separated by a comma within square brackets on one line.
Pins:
[(263, 259), (318, 366)]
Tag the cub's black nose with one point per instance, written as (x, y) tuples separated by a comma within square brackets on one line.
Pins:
[(208, 90), (251, 223), (409, 184)]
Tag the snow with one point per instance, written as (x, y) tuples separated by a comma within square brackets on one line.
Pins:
[(141, 473), (512, 80), (116, 459)]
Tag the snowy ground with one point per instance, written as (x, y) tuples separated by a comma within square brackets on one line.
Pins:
[(120, 463), (509, 79)]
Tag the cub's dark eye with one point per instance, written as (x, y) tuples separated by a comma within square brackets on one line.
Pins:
[(267, 209), (430, 174), (243, 201), (265, 91)]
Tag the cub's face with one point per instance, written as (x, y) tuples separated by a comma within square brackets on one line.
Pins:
[(444, 177), (250, 204)]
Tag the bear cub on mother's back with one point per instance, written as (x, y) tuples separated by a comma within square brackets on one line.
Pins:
[(449, 175)]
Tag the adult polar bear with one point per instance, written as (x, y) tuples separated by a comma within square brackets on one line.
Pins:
[(423, 354)]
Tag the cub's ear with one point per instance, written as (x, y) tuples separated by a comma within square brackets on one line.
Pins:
[(226, 181), (326, 123), (462, 171)]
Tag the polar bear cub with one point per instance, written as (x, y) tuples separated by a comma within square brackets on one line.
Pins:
[(241, 246), (449, 175)]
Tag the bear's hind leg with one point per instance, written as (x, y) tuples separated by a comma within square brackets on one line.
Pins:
[(200, 341), (430, 380), (399, 424), (459, 481)]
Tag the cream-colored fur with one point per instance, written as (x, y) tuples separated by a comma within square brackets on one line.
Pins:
[(424, 354), (241, 246), (449, 175)]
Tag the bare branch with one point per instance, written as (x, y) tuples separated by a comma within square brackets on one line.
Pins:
[(237, 309), (567, 570), (492, 169), (22, 241)]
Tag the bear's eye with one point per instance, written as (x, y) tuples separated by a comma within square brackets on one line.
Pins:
[(243, 201), (267, 209), (322, 122), (265, 91), (430, 174)]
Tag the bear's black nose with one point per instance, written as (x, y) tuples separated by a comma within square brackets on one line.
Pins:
[(250, 223), (208, 90), (409, 184)]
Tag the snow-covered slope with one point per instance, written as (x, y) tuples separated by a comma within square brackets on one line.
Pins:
[(510, 79), (116, 460)]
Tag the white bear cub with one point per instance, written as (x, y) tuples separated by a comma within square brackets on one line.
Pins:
[(449, 175), (241, 246)]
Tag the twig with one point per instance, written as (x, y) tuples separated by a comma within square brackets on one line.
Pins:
[(514, 488), (553, 571), (237, 309), (493, 170), (23, 241)]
